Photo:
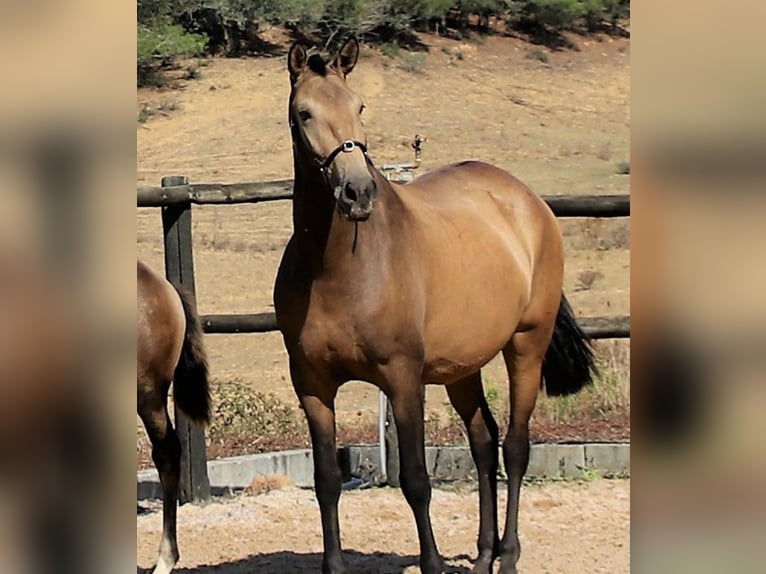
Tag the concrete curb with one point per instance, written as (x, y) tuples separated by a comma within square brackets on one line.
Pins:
[(448, 463)]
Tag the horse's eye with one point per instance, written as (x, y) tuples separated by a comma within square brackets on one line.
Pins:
[(304, 115), (361, 108)]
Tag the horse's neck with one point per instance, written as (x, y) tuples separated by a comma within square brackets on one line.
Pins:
[(330, 245)]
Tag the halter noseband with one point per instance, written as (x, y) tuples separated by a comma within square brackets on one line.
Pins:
[(345, 147)]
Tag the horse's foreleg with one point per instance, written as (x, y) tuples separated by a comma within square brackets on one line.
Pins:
[(166, 454), (407, 404), (523, 359), (317, 398), (467, 396)]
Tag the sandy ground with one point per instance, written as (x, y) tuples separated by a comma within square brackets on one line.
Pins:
[(566, 527)]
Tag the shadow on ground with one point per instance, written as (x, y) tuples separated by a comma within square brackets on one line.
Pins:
[(282, 562)]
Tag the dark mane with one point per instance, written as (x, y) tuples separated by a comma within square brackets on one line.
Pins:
[(317, 65)]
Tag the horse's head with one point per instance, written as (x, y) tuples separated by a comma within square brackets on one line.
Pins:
[(326, 127)]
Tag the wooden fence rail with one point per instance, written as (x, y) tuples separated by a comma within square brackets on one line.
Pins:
[(175, 197), (257, 192), (594, 327)]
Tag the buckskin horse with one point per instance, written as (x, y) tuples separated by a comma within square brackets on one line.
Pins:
[(169, 350), (407, 285)]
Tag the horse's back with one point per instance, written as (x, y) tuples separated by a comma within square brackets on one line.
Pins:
[(482, 195), (161, 324), (466, 181), (472, 200)]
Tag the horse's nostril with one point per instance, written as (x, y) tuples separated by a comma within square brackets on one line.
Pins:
[(350, 193)]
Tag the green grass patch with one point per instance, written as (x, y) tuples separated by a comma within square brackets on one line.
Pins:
[(539, 55), (390, 49), (492, 394), (413, 62)]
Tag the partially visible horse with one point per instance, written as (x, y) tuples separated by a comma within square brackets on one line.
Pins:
[(53, 442), (406, 285), (170, 349)]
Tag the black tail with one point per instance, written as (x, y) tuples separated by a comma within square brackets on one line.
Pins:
[(569, 364), (191, 388)]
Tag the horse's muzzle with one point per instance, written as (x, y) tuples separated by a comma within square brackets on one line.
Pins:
[(355, 203), (359, 212)]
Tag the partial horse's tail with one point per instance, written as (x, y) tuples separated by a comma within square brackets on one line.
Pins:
[(569, 363), (191, 387)]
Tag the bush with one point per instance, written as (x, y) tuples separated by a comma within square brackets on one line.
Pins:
[(240, 411), (482, 7), (593, 13), (552, 14), (167, 42), (539, 55), (616, 9), (398, 17), (351, 17), (559, 15), (158, 45), (599, 11), (247, 12)]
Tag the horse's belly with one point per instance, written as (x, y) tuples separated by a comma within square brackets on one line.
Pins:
[(443, 370), (470, 321), (461, 344)]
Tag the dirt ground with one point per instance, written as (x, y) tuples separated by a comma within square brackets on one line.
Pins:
[(565, 527), (561, 126)]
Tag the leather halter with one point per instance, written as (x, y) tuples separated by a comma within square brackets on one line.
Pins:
[(345, 147)]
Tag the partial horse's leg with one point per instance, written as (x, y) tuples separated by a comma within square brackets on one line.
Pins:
[(467, 396), (407, 405), (523, 358), (317, 397), (166, 453)]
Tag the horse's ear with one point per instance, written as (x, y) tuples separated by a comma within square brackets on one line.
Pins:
[(297, 59), (347, 56)]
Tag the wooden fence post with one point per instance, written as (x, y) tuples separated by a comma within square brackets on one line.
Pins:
[(179, 269)]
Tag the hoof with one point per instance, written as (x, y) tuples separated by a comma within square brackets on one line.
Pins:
[(509, 557), (483, 565), (508, 567), (433, 567), (165, 565), (333, 567)]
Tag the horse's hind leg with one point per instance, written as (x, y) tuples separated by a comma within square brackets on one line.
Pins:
[(467, 396), (523, 358), (166, 453)]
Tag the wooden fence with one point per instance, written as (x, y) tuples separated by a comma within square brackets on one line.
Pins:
[(175, 197)]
